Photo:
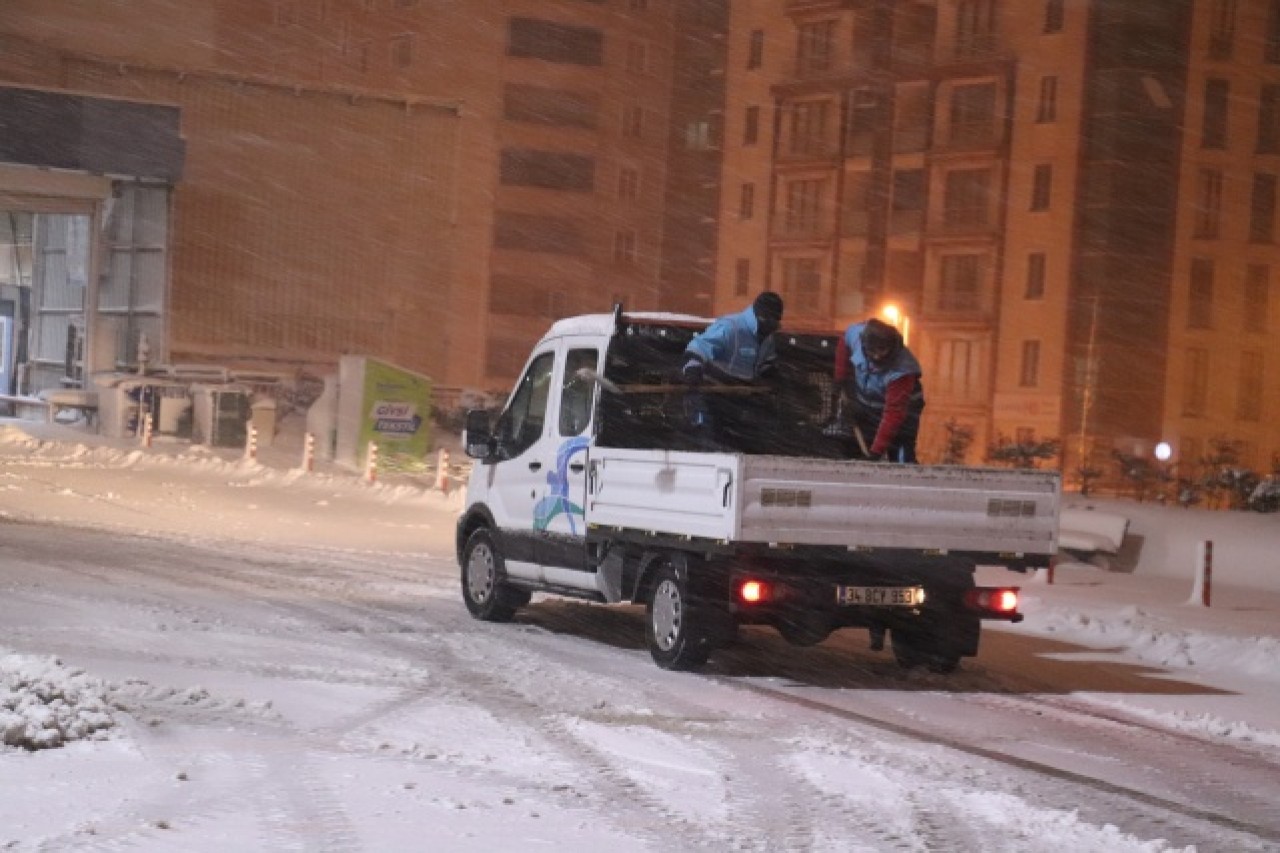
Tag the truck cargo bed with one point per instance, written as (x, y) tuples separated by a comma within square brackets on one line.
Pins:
[(787, 500)]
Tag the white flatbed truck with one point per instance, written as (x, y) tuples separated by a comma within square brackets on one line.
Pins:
[(592, 485)]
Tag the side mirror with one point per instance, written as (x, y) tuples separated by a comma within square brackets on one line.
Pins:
[(477, 442)]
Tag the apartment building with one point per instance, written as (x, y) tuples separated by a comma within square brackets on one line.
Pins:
[(427, 183), (1018, 184)]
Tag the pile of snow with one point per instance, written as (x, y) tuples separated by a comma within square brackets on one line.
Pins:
[(44, 704)]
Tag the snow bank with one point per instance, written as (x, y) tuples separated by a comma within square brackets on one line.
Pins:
[(44, 704)]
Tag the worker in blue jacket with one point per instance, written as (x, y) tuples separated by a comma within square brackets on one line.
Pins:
[(735, 348), (881, 378)]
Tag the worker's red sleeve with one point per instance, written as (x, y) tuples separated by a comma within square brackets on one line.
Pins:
[(896, 397), (842, 361)]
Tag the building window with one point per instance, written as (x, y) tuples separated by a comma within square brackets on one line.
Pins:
[(531, 38), (751, 126), (803, 214), (975, 27), (1222, 28), (1257, 297), (801, 283), (1195, 383), (1269, 119), (552, 170), (1249, 395), (808, 131), (1042, 187), (973, 114), (742, 277), (624, 247), (957, 375), (1029, 375), (628, 183), (637, 57), (1035, 276), (528, 232), (639, 5), (1262, 209), (1208, 212), (1054, 13), (402, 51), (1047, 108), (747, 201), (967, 197), (1200, 297), (633, 121), (544, 105), (961, 282), (1271, 49), (697, 135), (755, 50), (1213, 134), (813, 52)]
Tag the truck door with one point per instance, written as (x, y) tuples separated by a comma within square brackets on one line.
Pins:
[(519, 477), (559, 514)]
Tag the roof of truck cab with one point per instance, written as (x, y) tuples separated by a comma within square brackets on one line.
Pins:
[(602, 324)]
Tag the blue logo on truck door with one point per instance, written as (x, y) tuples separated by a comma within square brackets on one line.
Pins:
[(556, 502)]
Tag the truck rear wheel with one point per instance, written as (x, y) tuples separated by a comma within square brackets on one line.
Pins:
[(484, 589), (676, 638), (919, 648)]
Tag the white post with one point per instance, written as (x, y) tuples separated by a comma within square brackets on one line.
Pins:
[(371, 463), (308, 452), (251, 442), (146, 430), (442, 470), (1202, 588)]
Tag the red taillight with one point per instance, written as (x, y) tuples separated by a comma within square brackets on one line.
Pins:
[(1005, 601), (753, 592), (994, 601)]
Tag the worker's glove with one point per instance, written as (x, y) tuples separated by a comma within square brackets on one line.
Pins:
[(693, 373)]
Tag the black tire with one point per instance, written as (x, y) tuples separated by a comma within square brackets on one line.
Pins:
[(917, 648), (484, 588), (677, 639)]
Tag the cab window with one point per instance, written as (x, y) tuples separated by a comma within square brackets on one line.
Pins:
[(577, 390), (522, 422)]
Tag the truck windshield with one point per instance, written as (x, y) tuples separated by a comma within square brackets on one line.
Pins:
[(646, 406)]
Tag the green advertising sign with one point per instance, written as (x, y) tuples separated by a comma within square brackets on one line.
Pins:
[(396, 412)]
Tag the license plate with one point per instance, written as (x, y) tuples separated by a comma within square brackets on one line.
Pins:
[(880, 596)]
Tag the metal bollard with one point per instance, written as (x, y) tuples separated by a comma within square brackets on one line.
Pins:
[(146, 430), (251, 442), (371, 464), (1201, 591), (442, 470), (308, 452)]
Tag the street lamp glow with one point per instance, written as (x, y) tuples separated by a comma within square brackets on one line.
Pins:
[(1164, 451), (892, 313)]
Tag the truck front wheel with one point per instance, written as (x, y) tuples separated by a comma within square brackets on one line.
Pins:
[(484, 589), (676, 639)]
